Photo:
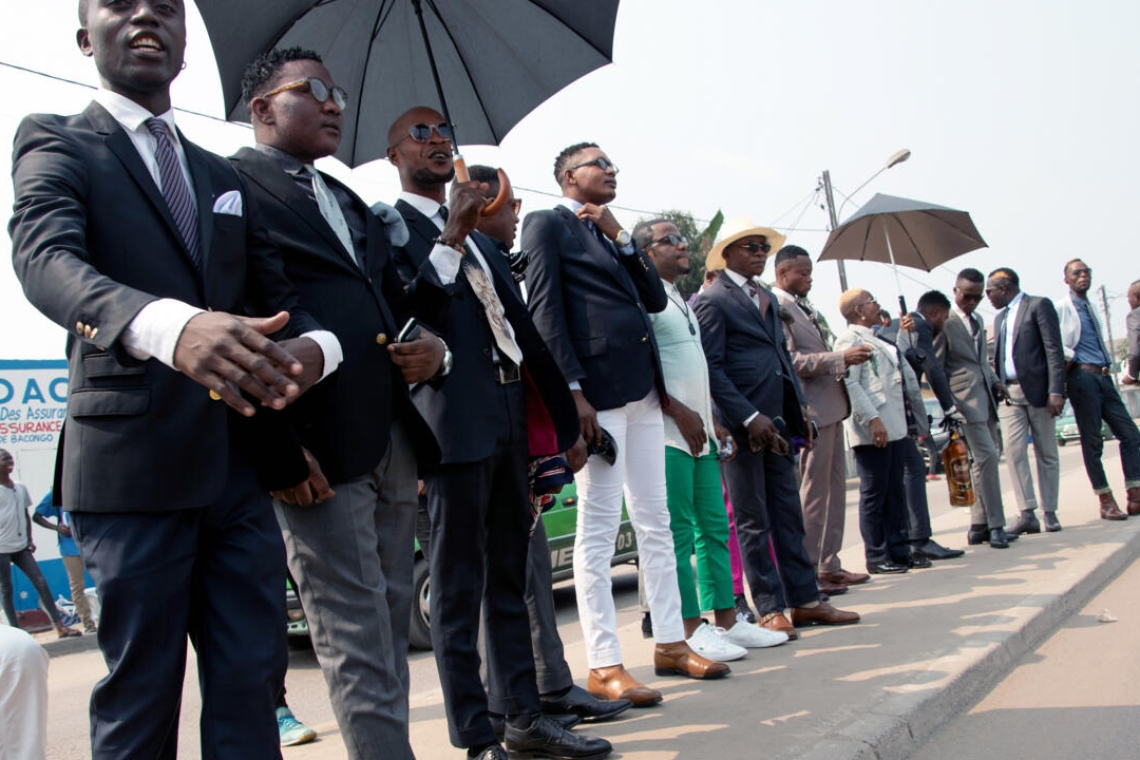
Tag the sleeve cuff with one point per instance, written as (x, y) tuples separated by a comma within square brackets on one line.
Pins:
[(446, 260), (575, 385), (750, 417), (155, 330), (330, 349)]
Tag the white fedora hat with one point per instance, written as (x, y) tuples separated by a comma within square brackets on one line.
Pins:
[(735, 228)]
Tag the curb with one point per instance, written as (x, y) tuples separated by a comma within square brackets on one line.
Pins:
[(894, 726)]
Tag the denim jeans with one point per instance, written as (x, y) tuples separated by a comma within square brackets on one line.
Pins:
[(1095, 398)]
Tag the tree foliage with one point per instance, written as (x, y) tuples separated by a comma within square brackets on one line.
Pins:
[(700, 243)]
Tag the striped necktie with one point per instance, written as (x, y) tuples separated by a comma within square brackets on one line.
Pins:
[(175, 190)]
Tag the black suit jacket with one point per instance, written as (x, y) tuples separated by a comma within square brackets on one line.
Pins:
[(461, 408), (750, 369), (1038, 355), (94, 242), (592, 307), (345, 420), (923, 358)]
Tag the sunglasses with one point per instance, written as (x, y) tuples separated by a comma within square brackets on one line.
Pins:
[(1082, 271), (671, 239), (754, 247), (422, 132), (318, 89), (602, 163)]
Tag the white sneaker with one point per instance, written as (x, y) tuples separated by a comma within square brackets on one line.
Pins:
[(753, 636), (707, 642)]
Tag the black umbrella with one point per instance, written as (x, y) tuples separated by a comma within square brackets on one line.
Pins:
[(903, 232), (487, 63)]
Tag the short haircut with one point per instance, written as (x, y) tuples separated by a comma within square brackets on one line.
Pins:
[(565, 156), (643, 232), (847, 303), (790, 253), (971, 275), (481, 173), (1007, 275), (266, 66), (1134, 287), (1069, 263), (932, 300)]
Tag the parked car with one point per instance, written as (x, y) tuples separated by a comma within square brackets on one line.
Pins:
[(1067, 427), (560, 522), (939, 436)]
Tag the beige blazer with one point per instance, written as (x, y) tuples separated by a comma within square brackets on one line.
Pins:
[(966, 361), (820, 369)]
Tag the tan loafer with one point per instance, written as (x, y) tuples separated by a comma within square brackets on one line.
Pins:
[(678, 659), (615, 682)]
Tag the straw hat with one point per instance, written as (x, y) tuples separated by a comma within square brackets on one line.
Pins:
[(734, 229)]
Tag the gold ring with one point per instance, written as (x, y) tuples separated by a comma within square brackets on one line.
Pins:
[(214, 395)]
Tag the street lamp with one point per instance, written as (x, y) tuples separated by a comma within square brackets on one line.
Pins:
[(893, 161)]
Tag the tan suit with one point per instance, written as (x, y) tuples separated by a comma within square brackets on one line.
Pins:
[(965, 359), (823, 477)]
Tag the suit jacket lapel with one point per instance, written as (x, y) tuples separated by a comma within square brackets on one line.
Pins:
[(419, 225), (120, 144), (596, 251), (743, 302)]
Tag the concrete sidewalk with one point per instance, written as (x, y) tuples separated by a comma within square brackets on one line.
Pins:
[(931, 643)]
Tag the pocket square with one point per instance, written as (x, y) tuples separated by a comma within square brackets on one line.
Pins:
[(228, 203)]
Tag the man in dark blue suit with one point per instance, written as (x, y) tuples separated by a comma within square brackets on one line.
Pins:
[(503, 401), (144, 247), (757, 393), (591, 291)]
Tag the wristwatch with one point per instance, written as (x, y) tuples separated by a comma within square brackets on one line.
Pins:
[(448, 359), (623, 239)]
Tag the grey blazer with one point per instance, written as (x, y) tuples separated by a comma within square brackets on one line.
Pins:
[(965, 359)]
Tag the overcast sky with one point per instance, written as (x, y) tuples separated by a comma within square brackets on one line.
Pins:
[(1023, 113)]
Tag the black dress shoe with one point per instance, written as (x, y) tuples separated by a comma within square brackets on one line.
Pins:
[(543, 738), (999, 539), (1027, 522), (743, 609), (931, 549), (916, 561), (980, 535), (565, 720), (646, 626), (886, 567), (581, 703), (494, 752), (1052, 524)]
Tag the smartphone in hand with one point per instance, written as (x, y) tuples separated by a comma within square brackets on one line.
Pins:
[(410, 331)]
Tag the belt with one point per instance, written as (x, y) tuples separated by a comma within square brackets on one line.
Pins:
[(507, 372), (1098, 369)]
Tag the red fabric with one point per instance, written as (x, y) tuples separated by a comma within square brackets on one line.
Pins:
[(542, 439)]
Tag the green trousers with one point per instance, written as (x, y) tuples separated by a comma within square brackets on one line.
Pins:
[(700, 524)]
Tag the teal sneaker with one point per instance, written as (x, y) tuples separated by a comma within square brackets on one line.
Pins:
[(292, 731)]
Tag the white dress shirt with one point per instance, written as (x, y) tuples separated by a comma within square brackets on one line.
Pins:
[(1010, 321), (155, 330)]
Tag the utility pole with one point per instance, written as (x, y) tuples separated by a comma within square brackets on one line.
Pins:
[(834, 224), (1112, 362)]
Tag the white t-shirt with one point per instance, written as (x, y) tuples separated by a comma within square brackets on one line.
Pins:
[(14, 505)]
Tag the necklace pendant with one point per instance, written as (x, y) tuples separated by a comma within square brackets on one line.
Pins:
[(692, 330)]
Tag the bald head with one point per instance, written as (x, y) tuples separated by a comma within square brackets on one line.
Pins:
[(423, 159), (1134, 294)]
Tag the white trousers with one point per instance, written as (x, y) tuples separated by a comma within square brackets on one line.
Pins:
[(23, 696), (639, 474)]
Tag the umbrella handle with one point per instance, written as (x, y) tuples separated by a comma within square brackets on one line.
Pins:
[(496, 204)]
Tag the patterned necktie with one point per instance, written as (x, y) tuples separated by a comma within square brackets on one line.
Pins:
[(818, 320), (174, 189), (330, 210), (492, 307), (754, 293), (606, 243)]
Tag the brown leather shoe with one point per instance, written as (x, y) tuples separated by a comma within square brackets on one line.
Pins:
[(1108, 508), (831, 589), (823, 614), (678, 659), (615, 682), (775, 621), (844, 577), (1133, 502)]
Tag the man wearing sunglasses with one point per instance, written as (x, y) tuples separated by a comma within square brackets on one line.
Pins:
[(962, 350), (759, 399), (504, 402), (349, 527), (1093, 395), (591, 292)]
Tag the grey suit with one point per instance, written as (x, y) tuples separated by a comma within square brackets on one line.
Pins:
[(1039, 370), (1132, 322), (964, 357)]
